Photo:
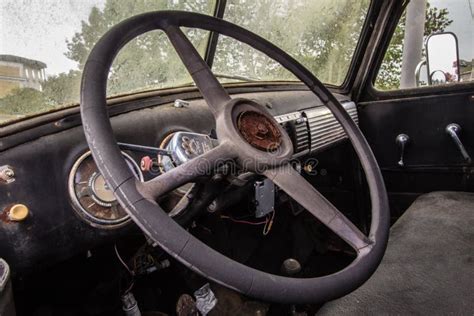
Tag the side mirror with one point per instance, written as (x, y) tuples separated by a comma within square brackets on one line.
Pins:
[(442, 58)]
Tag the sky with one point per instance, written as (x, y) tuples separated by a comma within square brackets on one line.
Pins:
[(38, 29), (463, 25)]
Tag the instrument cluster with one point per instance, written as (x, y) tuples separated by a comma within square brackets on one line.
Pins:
[(91, 198)]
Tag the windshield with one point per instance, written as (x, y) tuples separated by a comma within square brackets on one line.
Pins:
[(45, 43)]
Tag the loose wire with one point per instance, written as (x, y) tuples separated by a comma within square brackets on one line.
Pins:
[(243, 222), (132, 282), (121, 260), (130, 287), (269, 223)]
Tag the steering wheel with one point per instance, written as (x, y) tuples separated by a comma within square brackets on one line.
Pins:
[(250, 136)]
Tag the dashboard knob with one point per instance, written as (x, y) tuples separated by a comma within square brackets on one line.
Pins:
[(18, 212), (146, 163), (290, 267)]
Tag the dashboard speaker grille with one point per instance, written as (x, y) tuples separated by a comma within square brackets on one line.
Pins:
[(324, 129), (315, 129), (301, 136)]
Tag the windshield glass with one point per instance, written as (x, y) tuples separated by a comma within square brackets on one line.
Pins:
[(45, 43), (322, 35)]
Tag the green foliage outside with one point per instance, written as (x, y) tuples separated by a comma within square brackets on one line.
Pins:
[(147, 62), (24, 101), (144, 63), (322, 35)]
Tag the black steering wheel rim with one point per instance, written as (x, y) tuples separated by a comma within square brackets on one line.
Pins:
[(169, 235)]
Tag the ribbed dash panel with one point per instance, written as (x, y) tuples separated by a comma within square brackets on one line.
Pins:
[(324, 129), (301, 137)]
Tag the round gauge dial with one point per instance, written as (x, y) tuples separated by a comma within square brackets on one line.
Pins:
[(92, 198), (100, 191)]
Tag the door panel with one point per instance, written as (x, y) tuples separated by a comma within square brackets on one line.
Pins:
[(432, 161)]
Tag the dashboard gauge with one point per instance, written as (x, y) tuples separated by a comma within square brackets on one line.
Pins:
[(91, 197)]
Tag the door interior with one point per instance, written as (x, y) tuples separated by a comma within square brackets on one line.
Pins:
[(398, 100), (432, 161)]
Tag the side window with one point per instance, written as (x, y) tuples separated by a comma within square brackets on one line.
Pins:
[(432, 45)]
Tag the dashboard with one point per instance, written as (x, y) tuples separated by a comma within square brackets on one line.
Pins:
[(70, 208)]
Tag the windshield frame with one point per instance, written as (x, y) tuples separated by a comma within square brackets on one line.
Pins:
[(362, 44)]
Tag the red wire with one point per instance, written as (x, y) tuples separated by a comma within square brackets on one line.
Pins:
[(243, 222)]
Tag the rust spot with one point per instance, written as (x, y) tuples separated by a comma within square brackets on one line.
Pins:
[(4, 215), (259, 131)]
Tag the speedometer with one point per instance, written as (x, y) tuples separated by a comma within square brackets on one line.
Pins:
[(91, 197)]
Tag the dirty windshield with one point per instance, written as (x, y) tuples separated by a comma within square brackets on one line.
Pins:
[(45, 43)]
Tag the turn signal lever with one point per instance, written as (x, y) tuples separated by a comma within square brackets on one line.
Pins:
[(454, 130)]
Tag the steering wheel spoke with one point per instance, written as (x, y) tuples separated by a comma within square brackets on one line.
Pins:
[(203, 165), (212, 91), (290, 181)]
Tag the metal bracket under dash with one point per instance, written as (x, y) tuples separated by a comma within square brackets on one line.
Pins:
[(264, 197)]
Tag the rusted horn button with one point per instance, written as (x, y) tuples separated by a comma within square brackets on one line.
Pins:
[(259, 131)]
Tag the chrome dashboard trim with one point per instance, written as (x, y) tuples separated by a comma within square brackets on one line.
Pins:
[(317, 128), (324, 129)]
